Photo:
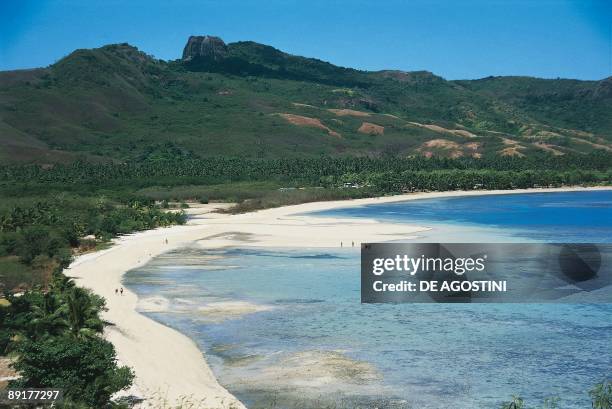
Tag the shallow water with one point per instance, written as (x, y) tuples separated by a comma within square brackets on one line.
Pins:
[(285, 328)]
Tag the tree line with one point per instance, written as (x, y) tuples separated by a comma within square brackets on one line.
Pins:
[(51, 328), (306, 170)]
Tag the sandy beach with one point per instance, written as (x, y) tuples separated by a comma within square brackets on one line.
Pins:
[(169, 366)]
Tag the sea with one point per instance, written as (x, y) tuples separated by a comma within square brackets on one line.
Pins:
[(284, 328)]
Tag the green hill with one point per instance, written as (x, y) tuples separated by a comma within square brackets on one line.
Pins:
[(248, 99)]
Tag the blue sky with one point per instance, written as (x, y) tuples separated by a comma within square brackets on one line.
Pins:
[(454, 39)]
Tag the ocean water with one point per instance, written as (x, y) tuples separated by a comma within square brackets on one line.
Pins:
[(284, 328), (560, 217)]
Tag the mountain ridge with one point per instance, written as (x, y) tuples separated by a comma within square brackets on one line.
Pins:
[(250, 99)]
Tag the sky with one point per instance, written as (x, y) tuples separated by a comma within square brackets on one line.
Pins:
[(460, 39)]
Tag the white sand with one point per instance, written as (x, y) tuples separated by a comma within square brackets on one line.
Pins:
[(170, 365)]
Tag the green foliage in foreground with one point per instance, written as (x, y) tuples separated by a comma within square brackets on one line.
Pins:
[(55, 337), (91, 375), (53, 330)]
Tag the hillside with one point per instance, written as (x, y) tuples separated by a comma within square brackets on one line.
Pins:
[(248, 99)]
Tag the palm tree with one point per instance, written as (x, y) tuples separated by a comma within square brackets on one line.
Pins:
[(48, 318), (83, 311)]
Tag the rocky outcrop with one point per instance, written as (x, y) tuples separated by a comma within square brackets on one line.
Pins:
[(208, 47), (603, 89)]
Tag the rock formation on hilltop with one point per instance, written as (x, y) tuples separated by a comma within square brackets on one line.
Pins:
[(208, 47)]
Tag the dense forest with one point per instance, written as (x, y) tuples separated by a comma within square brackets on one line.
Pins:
[(311, 171)]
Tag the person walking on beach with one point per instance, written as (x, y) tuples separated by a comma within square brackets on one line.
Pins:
[(166, 241), (116, 291), (121, 290)]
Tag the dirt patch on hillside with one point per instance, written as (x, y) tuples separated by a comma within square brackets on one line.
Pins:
[(298, 104), (511, 151), (371, 129), (548, 147), (513, 148), (349, 112), (462, 132), (509, 142), (593, 144), (441, 143), (473, 146), (440, 129), (300, 120), (453, 148)]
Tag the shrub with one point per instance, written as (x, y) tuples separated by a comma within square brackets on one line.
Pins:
[(85, 368)]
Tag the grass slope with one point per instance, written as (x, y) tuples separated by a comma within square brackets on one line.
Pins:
[(117, 103)]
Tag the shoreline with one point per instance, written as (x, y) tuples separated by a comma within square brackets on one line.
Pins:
[(169, 366)]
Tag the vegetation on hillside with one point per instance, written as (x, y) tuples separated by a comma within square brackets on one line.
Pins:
[(117, 103)]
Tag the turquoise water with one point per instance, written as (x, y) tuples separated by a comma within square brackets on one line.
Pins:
[(285, 328), (558, 217)]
